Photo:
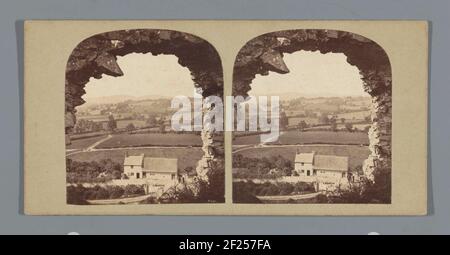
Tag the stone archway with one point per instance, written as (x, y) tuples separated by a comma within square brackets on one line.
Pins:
[(265, 53), (97, 55)]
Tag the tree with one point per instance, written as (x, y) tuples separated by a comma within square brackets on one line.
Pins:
[(151, 121), (349, 127), (189, 171), (333, 123), (112, 124), (130, 128), (162, 127), (324, 118)]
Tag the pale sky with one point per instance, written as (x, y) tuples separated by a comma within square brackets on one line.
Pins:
[(144, 75), (312, 74)]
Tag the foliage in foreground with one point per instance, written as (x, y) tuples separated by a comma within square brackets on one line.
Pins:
[(94, 171)]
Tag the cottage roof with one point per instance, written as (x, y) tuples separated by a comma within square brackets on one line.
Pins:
[(161, 165), (304, 157), (133, 160), (333, 163)]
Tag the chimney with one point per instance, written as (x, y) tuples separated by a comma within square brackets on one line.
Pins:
[(126, 153)]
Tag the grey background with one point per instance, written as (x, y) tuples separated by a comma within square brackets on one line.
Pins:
[(12, 14)]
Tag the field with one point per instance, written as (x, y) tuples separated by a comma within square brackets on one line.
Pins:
[(356, 154), (140, 140), (186, 156), (310, 137), (326, 107), (84, 143)]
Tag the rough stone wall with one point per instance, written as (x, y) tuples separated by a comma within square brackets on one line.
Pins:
[(97, 56), (265, 53)]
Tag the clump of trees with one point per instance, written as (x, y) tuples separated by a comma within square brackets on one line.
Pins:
[(243, 194), (94, 171), (349, 127), (377, 192), (79, 194), (265, 167)]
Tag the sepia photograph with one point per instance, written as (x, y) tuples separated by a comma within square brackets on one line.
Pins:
[(123, 145), (331, 91)]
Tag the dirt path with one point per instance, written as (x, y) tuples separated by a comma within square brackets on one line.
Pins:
[(128, 200), (92, 147)]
